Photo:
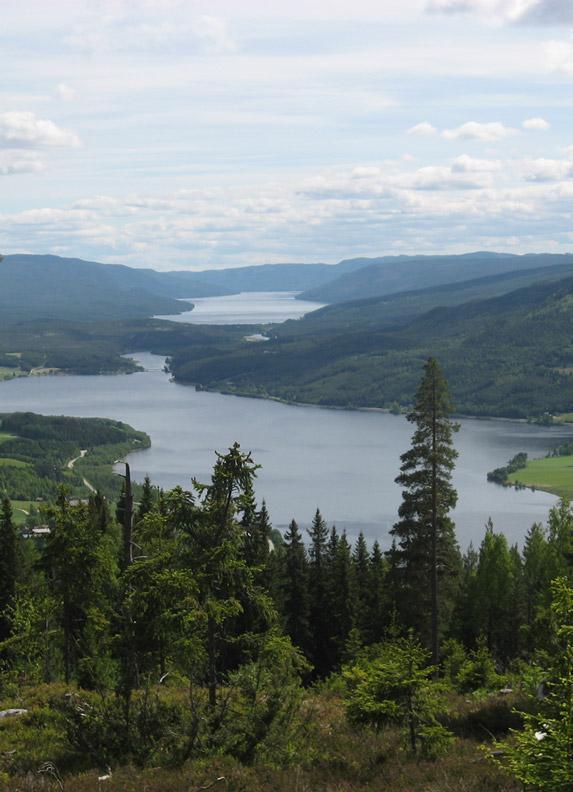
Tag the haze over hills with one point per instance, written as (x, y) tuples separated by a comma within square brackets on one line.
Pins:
[(279, 277), (392, 274), (36, 288), (400, 308), (45, 287)]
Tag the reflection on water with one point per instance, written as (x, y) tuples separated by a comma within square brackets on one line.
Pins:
[(343, 461)]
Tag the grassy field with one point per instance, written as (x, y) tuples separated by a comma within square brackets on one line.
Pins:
[(21, 510), (18, 463), (4, 436), (552, 474), (341, 758), (9, 373)]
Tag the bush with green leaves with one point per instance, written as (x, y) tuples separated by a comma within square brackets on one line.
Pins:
[(541, 755), (478, 671), (391, 684)]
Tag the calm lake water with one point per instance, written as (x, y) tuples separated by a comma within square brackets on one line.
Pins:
[(344, 462), (245, 308)]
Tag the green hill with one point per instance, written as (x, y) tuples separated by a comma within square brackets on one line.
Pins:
[(39, 288), (510, 355), (395, 309), (38, 454), (390, 275)]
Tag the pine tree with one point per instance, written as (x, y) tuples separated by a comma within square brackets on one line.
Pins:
[(428, 553), (8, 540), (295, 593)]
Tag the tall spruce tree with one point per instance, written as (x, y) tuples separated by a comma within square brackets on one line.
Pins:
[(363, 586), (318, 589), (342, 598), (378, 602), (428, 556), (295, 595), (7, 566)]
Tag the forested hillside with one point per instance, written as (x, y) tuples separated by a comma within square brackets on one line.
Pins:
[(392, 274), (40, 288), (38, 454), (509, 356)]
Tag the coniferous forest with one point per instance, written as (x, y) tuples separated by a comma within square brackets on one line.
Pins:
[(176, 640)]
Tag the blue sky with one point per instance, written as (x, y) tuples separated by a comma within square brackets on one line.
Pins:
[(185, 134)]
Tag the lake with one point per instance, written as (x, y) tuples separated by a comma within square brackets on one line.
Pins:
[(245, 308), (343, 461)]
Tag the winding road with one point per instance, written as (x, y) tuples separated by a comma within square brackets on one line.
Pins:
[(70, 466)]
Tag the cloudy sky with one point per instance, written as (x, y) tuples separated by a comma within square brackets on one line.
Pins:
[(205, 133)]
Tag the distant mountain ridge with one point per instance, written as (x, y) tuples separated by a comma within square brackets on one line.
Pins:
[(47, 287), (38, 288), (393, 274)]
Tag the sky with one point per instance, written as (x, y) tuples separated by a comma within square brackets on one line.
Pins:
[(191, 134)]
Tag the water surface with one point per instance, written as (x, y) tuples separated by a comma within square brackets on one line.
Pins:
[(343, 461), (245, 308)]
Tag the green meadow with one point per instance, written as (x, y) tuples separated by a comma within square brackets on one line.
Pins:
[(552, 474)]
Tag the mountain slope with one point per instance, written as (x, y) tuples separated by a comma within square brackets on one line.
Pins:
[(404, 273), (37, 288), (398, 309), (279, 277), (510, 355)]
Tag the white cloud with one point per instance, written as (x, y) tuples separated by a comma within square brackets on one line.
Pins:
[(467, 164), (486, 133), (24, 129), (13, 161), (440, 177), (546, 170), (65, 93), (536, 124), (215, 34), (424, 129), (532, 12), (559, 55)]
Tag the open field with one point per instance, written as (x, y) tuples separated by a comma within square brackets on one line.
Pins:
[(552, 474), (21, 510), (9, 373), (17, 463), (344, 760)]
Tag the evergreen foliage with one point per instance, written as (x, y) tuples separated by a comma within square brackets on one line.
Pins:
[(427, 556)]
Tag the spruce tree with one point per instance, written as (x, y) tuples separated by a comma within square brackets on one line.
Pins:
[(363, 586), (318, 589), (7, 566), (378, 601), (147, 500), (295, 593), (493, 592), (428, 554), (536, 585), (342, 598)]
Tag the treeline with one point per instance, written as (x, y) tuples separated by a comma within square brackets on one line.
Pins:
[(501, 474)]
